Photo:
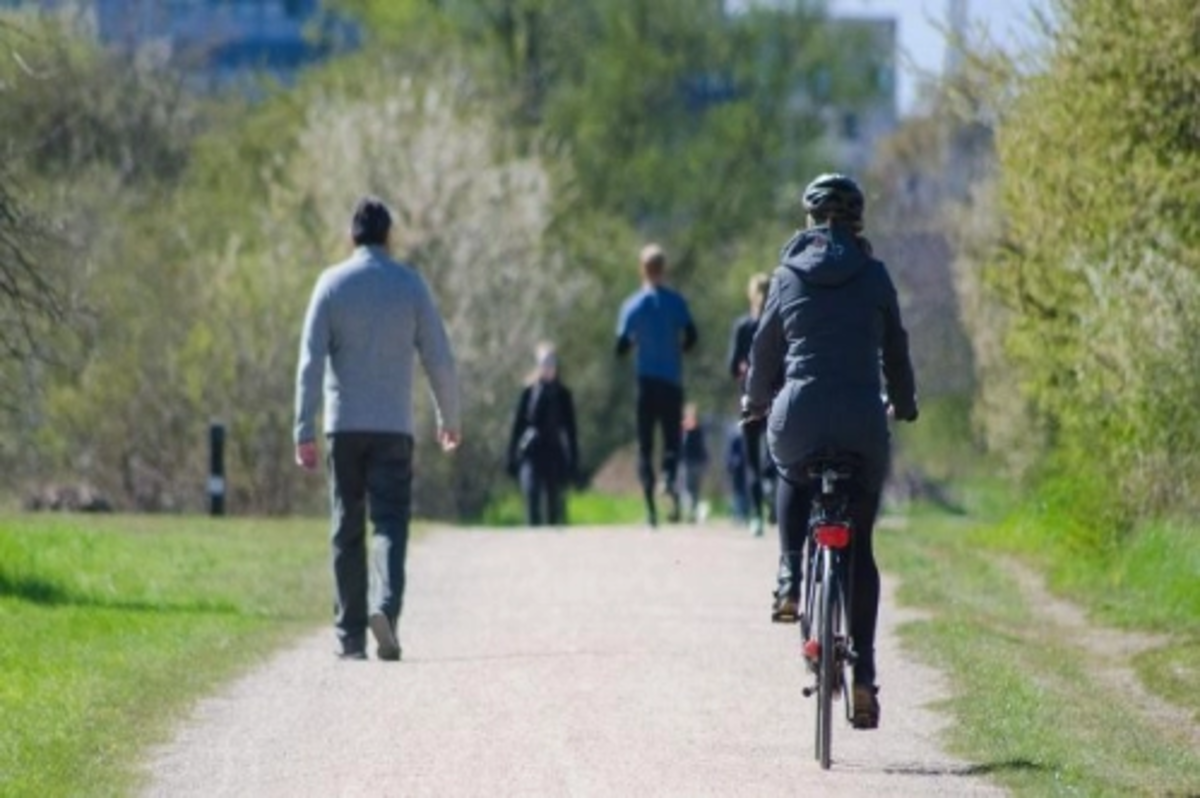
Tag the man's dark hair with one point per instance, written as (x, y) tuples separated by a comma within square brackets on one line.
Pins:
[(371, 222)]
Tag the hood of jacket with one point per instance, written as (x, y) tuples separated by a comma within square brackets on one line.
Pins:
[(825, 256)]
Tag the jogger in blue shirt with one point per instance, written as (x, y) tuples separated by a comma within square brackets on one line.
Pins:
[(655, 322)]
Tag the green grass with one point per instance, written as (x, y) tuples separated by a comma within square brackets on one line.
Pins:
[(585, 508), (1146, 581), (1173, 672), (1028, 711), (113, 625)]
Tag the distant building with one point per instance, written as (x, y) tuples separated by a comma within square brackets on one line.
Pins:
[(853, 127), (856, 129), (220, 40)]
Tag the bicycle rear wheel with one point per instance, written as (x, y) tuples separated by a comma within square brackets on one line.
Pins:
[(827, 668)]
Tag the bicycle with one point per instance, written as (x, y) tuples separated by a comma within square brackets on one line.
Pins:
[(825, 618)]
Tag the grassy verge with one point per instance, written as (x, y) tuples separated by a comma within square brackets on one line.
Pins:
[(586, 508), (112, 625), (1028, 710), (1148, 581)]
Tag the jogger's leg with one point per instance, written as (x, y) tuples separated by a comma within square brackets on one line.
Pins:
[(670, 417), (645, 440)]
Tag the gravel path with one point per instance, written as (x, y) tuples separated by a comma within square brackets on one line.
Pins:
[(596, 662)]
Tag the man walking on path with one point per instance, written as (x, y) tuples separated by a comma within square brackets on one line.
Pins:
[(367, 318), (656, 322)]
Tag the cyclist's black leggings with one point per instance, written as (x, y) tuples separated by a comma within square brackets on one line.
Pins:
[(794, 505)]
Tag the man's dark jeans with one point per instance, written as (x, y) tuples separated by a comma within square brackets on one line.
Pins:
[(368, 471), (659, 404)]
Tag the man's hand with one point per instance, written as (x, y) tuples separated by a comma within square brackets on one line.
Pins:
[(306, 455), (449, 439)]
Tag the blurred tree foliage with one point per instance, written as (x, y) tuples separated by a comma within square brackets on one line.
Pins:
[(1099, 267), (528, 148)]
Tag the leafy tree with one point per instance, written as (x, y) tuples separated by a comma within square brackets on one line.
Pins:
[(694, 127), (1099, 153), (528, 146), (90, 139)]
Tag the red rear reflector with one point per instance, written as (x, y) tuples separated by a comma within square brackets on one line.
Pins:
[(832, 536)]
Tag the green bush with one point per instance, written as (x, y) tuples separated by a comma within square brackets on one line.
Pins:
[(1098, 154)]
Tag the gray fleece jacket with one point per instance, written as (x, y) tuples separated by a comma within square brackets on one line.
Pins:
[(368, 319), (830, 325)]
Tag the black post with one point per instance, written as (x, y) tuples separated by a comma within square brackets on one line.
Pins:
[(216, 469)]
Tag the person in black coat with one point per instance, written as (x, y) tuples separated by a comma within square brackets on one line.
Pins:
[(543, 451), (831, 322), (759, 477)]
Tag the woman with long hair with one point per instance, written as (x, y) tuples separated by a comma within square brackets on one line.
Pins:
[(543, 451), (758, 468)]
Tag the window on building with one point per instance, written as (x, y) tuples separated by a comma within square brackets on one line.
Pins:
[(885, 79), (850, 126)]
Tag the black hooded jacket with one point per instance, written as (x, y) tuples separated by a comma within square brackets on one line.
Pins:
[(543, 430), (831, 321)]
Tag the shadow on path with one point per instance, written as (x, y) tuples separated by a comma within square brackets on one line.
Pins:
[(46, 593), (981, 769)]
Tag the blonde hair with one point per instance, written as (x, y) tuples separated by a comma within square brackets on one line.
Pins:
[(756, 291), (543, 350), (653, 261)]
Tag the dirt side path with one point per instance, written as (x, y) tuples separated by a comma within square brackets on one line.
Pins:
[(595, 662)]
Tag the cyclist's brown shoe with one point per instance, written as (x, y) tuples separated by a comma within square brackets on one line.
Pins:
[(785, 610), (865, 707)]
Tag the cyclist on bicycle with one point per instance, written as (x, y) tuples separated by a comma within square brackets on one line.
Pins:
[(830, 320)]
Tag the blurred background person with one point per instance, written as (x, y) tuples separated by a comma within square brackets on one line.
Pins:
[(735, 470), (759, 469), (694, 462), (656, 324), (543, 449)]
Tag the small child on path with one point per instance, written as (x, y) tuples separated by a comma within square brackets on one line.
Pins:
[(694, 459)]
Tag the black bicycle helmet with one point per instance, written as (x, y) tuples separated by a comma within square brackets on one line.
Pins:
[(835, 197)]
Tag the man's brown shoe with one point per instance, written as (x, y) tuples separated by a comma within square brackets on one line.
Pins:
[(388, 646)]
